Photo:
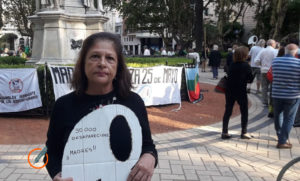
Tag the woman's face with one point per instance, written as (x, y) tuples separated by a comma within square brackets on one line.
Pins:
[(101, 64)]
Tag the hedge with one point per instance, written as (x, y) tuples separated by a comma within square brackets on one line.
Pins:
[(12, 60), (47, 95), (155, 61)]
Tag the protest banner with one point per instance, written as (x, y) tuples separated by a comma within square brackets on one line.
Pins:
[(157, 85), (61, 79), (19, 90)]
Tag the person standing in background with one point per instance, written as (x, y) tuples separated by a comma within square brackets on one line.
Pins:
[(285, 93), (229, 58), (146, 51), (204, 57), (215, 60), (264, 59), (239, 74), (254, 51)]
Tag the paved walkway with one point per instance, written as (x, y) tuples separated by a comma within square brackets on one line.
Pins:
[(195, 154)]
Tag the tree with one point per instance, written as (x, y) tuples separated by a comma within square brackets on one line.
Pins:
[(279, 8), (17, 12), (112, 4), (1, 12), (229, 11), (291, 22), (199, 24), (270, 16), (168, 18)]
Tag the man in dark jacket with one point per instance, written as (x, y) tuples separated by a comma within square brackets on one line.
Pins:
[(215, 60), (229, 58)]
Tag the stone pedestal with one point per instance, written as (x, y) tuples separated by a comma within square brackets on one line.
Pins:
[(59, 33)]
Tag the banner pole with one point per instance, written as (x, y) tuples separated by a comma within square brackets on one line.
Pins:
[(46, 90)]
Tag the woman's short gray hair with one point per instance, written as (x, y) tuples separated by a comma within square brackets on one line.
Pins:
[(261, 43)]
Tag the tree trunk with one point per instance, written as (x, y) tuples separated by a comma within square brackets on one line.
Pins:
[(278, 17), (1, 12), (199, 24), (221, 21)]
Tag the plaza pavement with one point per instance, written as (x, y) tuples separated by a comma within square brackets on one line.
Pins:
[(195, 154)]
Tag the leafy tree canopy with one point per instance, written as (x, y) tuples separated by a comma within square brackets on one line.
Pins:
[(17, 12)]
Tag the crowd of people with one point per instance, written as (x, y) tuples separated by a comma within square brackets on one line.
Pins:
[(244, 64), (281, 93), (23, 51)]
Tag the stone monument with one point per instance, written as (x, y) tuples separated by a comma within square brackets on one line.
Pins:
[(60, 26)]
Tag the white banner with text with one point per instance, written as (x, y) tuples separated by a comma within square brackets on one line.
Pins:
[(61, 79), (19, 90), (157, 85)]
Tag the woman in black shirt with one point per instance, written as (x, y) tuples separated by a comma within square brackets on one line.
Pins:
[(239, 75), (100, 78)]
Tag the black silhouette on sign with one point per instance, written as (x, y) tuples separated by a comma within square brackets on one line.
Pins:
[(120, 132), (76, 44)]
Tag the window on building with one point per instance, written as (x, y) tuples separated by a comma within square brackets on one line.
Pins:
[(130, 38), (206, 12), (21, 42)]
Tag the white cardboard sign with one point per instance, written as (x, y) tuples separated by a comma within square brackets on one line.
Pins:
[(90, 153)]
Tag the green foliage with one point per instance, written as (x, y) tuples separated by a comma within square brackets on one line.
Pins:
[(155, 61), (263, 18), (12, 60), (231, 28), (17, 12), (291, 21), (211, 34), (224, 54), (169, 18), (1, 12), (276, 18), (112, 4), (6, 66), (47, 92)]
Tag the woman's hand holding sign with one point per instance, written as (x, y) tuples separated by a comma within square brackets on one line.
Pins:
[(58, 178), (144, 168)]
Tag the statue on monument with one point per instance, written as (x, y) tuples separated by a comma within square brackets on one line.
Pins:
[(52, 4), (88, 4), (100, 6), (91, 6)]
